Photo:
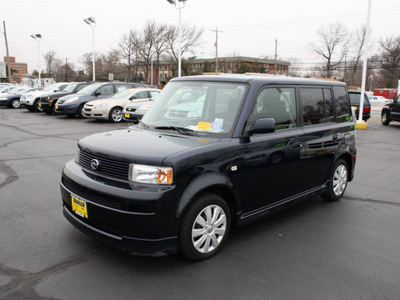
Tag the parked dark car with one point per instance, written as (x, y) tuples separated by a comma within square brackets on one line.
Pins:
[(47, 101), (13, 99), (255, 144), (72, 105), (391, 112), (355, 97)]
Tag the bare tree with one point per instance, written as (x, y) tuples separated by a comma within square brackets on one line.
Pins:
[(190, 38), (86, 61), (357, 47), (332, 39), (128, 51), (52, 63), (390, 60)]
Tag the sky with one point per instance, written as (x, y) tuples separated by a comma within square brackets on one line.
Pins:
[(246, 28)]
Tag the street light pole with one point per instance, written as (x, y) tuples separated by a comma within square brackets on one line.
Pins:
[(38, 37), (179, 7), (92, 23)]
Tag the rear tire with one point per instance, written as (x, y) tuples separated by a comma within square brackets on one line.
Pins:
[(338, 182), (385, 118), (204, 228)]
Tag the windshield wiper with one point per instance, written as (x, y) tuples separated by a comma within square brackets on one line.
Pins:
[(181, 130), (143, 125)]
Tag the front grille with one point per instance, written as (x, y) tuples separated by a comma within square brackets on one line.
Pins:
[(111, 201), (106, 166), (93, 196)]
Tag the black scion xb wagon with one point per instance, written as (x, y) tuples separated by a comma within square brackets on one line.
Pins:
[(211, 152)]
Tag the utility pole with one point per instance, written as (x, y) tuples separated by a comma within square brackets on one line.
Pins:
[(276, 55), (216, 49), (66, 70), (8, 56)]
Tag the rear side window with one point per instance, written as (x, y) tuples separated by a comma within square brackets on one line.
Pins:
[(278, 103), (342, 104), (317, 106)]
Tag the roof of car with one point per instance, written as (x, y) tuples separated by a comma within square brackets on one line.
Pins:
[(267, 78)]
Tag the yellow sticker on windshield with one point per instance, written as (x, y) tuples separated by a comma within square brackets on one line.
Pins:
[(204, 126)]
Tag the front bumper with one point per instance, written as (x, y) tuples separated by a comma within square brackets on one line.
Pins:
[(120, 214), (96, 113), (66, 109), (132, 116), (5, 102)]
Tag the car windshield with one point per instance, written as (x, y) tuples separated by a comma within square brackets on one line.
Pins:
[(201, 108), (122, 94), (90, 89), (70, 88), (50, 87)]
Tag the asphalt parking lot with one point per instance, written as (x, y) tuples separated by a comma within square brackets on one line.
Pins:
[(314, 250)]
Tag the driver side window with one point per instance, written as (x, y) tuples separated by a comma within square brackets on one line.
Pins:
[(278, 103)]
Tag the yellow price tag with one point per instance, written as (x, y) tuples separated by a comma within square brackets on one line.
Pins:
[(204, 126)]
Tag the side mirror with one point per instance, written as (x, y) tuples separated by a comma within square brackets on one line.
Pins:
[(97, 94), (132, 98), (263, 125)]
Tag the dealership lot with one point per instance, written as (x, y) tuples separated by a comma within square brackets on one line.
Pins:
[(316, 250)]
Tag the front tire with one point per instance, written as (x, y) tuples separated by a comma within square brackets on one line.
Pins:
[(204, 228), (15, 103), (338, 182), (81, 112), (115, 115), (385, 118)]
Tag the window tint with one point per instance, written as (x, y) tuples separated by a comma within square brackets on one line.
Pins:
[(106, 90), (329, 107), (341, 104), (278, 103), (313, 106)]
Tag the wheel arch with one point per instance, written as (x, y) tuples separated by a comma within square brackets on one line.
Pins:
[(348, 158), (213, 183)]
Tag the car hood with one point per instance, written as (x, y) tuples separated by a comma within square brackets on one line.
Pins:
[(72, 96), (139, 145)]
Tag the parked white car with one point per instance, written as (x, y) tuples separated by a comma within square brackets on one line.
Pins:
[(111, 108), (378, 99), (31, 100)]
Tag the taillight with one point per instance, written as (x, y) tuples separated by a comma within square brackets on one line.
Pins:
[(367, 108)]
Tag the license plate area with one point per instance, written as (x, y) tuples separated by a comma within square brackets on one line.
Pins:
[(79, 206)]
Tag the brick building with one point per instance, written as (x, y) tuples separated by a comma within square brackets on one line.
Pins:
[(240, 64), (21, 69)]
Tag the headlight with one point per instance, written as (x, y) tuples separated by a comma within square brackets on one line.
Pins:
[(72, 100), (150, 174), (3, 98), (100, 106), (144, 107)]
